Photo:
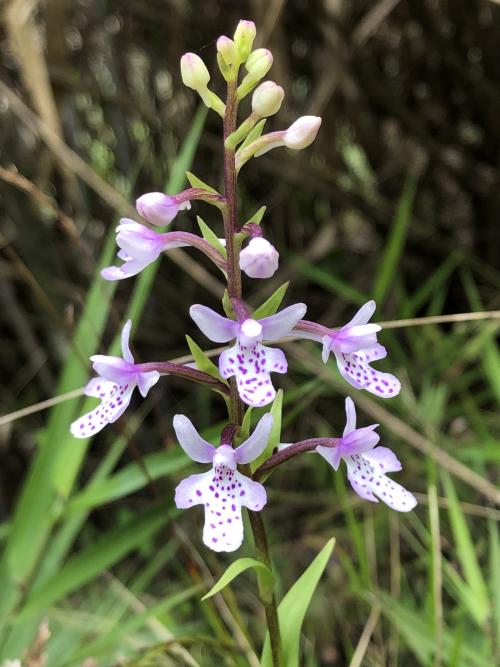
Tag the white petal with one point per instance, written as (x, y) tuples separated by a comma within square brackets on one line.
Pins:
[(193, 490), (361, 375), (252, 367), (281, 324), (112, 406), (350, 413), (369, 482), (126, 353), (383, 459), (214, 326), (191, 441), (253, 446)]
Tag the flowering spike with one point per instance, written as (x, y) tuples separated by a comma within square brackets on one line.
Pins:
[(222, 490)]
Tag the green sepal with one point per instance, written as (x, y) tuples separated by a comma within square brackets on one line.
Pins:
[(272, 304), (266, 577), (210, 236), (253, 135), (203, 363), (257, 216), (275, 435), (245, 425), (196, 182), (226, 305)]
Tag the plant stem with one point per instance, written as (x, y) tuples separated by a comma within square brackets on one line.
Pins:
[(295, 449), (230, 216)]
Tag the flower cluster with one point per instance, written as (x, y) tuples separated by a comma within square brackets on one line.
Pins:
[(246, 363)]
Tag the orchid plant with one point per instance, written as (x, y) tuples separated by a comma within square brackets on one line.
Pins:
[(245, 366)]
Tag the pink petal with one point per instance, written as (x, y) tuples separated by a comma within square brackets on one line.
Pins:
[(191, 442), (252, 367), (350, 413), (363, 315), (126, 353), (331, 454), (281, 324), (114, 369), (112, 406), (253, 447), (146, 380), (360, 440), (214, 326)]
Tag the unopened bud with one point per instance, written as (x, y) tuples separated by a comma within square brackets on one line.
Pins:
[(158, 208), (244, 36), (259, 63), (302, 133), (267, 99), (259, 259), (227, 50), (194, 72)]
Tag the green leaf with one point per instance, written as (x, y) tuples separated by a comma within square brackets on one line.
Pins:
[(128, 480), (272, 304), (257, 216), (246, 424), (203, 363), (253, 135), (196, 182), (275, 435), (90, 562), (236, 569), (210, 236), (396, 242), (293, 608), (466, 550)]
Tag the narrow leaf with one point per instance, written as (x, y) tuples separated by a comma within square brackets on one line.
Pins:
[(203, 363), (272, 304), (293, 608), (209, 236), (236, 569), (196, 182)]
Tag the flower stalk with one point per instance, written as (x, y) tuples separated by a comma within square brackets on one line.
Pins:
[(231, 229)]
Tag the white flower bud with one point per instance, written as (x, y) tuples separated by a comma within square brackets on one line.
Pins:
[(259, 259), (267, 99), (227, 49), (302, 133), (194, 72), (259, 63), (244, 36)]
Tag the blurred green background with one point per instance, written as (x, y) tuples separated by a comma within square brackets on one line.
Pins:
[(398, 200)]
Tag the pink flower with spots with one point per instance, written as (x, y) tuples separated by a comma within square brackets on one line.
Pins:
[(367, 464), (355, 346), (116, 381), (223, 491), (249, 360)]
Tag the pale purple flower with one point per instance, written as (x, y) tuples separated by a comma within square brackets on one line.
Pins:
[(355, 346), (249, 360), (367, 465), (116, 381), (222, 490), (160, 209), (139, 247), (259, 259)]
